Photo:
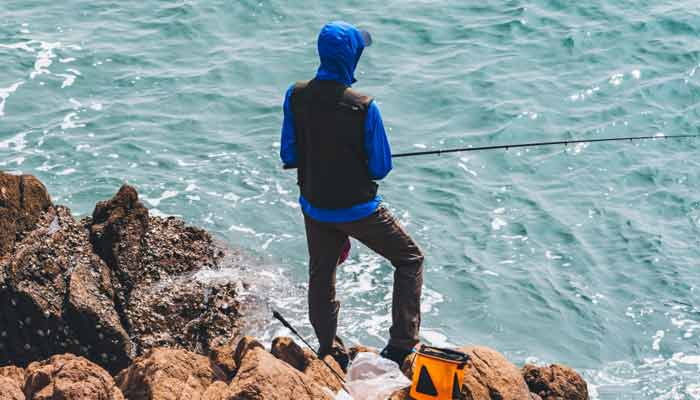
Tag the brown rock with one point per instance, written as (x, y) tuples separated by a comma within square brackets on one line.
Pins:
[(10, 389), (69, 377), (555, 382), (117, 233), (261, 376), (222, 357), (217, 391), (55, 262), (142, 248), (288, 351), (11, 383), (164, 374), (246, 344), (321, 374), (22, 201), (535, 397), (153, 259), (91, 313), (91, 287), (489, 376), (14, 373), (183, 312)]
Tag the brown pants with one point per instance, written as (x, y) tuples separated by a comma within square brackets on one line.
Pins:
[(383, 234)]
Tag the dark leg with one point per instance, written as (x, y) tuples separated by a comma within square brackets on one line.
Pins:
[(325, 246), (383, 234)]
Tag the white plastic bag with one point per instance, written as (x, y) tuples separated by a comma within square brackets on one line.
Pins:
[(371, 377)]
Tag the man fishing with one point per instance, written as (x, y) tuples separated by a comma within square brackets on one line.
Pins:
[(335, 138)]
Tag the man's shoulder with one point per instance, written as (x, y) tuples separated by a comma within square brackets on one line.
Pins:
[(300, 85), (356, 100)]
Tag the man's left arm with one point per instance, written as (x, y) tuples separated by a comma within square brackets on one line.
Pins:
[(288, 150), (376, 144)]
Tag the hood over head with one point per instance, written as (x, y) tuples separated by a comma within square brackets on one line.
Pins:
[(340, 46)]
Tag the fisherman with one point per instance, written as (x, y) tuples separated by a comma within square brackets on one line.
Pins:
[(335, 138)]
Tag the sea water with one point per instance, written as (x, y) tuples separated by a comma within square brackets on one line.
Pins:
[(586, 255)]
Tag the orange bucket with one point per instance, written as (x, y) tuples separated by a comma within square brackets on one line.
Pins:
[(438, 374)]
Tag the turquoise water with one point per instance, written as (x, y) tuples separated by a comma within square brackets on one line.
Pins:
[(586, 255)]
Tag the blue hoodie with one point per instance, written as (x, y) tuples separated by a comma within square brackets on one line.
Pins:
[(340, 46)]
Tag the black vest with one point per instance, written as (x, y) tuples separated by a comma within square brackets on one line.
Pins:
[(329, 121)]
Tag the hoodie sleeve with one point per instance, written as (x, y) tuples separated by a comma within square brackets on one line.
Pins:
[(288, 149), (377, 144)]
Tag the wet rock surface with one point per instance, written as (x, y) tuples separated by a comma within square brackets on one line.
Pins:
[(555, 382), (108, 287)]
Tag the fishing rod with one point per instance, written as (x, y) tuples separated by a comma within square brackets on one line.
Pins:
[(532, 144), (289, 326), (538, 144)]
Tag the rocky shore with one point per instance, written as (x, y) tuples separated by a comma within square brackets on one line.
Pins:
[(106, 308)]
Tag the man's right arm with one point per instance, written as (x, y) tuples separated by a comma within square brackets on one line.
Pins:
[(288, 148)]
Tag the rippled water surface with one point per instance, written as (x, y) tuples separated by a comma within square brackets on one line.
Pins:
[(586, 255)]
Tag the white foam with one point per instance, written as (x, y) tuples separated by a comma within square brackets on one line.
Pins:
[(616, 79), (636, 74), (18, 142), (44, 59), (498, 223), (693, 390), (469, 171), (290, 204), (435, 338), (683, 359), (68, 80), (67, 171), (241, 228), (96, 106), (5, 93), (21, 46), (166, 195), (157, 213), (69, 122), (656, 345), (231, 197)]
